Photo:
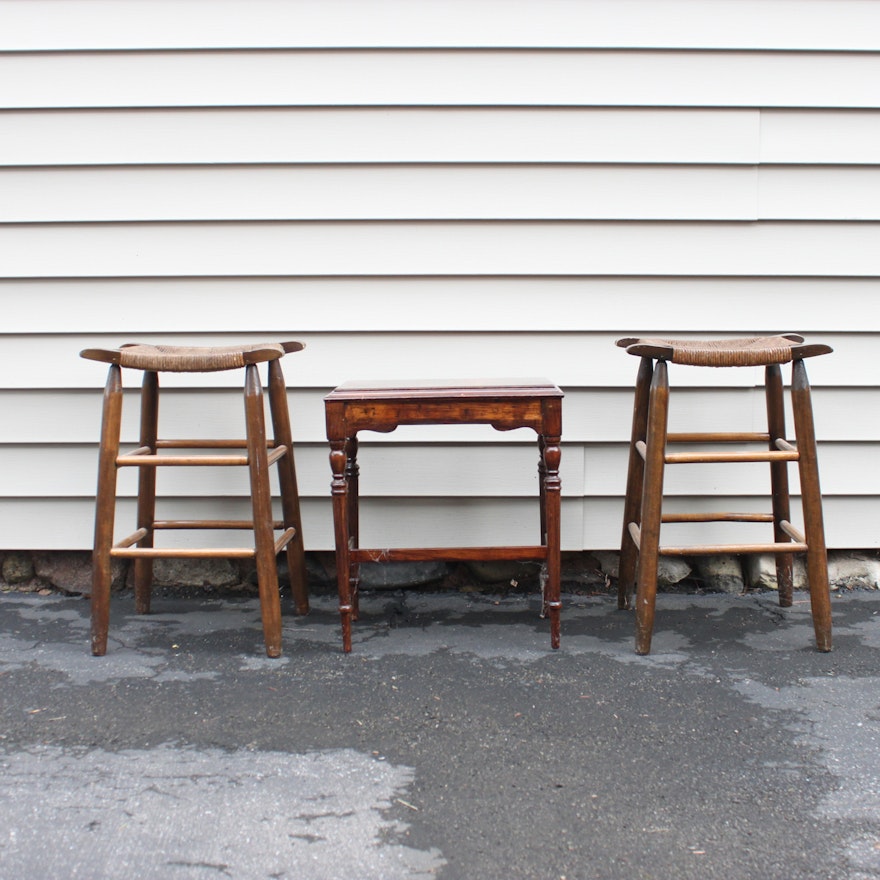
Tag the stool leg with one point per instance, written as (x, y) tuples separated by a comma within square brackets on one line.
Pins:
[(779, 481), (629, 553), (552, 517), (652, 508), (811, 496), (258, 462), (105, 510), (146, 506), (352, 477), (339, 489), (296, 557)]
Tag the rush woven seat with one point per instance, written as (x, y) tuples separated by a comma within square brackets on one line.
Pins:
[(753, 351), (191, 359), (258, 454), (649, 454)]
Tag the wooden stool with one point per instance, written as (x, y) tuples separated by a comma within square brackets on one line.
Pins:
[(139, 545), (382, 407), (640, 542)]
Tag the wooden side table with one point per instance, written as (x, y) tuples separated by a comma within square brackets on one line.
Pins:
[(383, 406)]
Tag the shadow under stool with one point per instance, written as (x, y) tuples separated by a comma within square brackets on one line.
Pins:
[(649, 455), (505, 405), (260, 453)]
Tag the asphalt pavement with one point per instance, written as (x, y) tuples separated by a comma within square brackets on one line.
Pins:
[(452, 743)]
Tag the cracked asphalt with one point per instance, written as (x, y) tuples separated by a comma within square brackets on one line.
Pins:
[(452, 742)]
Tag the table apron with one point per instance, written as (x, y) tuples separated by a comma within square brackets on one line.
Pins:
[(386, 416)]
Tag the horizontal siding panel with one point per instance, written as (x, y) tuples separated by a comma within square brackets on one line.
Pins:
[(433, 192), (812, 193), (387, 471), (406, 470), (850, 523), (438, 248), (590, 415), (590, 304), (34, 416), (593, 524), (383, 192), (833, 137), (427, 522), (569, 359), (466, 78), (606, 465), (163, 24), (384, 134)]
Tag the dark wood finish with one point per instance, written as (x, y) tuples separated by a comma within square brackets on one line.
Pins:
[(719, 437), (651, 508), (296, 551), (643, 516), (626, 579), (261, 499), (450, 554), (352, 476), (382, 407), (261, 453), (105, 503), (779, 490), (717, 517), (811, 497), (146, 504), (339, 489)]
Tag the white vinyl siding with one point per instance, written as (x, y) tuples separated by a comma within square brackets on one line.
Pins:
[(448, 188), (469, 77)]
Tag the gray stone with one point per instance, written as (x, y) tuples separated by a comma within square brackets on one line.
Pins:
[(502, 571), (71, 570), (853, 570), (320, 569), (671, 570), (609, 562), (383, 575), (584, 569), (212, 573), (320, 572), (759, 571), (395, 575), (720, 574), (18, 568)]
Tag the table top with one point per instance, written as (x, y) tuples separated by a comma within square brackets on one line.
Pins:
[(436, 389)]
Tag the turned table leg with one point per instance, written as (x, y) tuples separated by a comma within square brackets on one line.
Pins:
[(551, 510), (339, 490), (352, 477)]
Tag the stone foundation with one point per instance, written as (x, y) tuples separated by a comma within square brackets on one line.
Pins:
[(596, 572)]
